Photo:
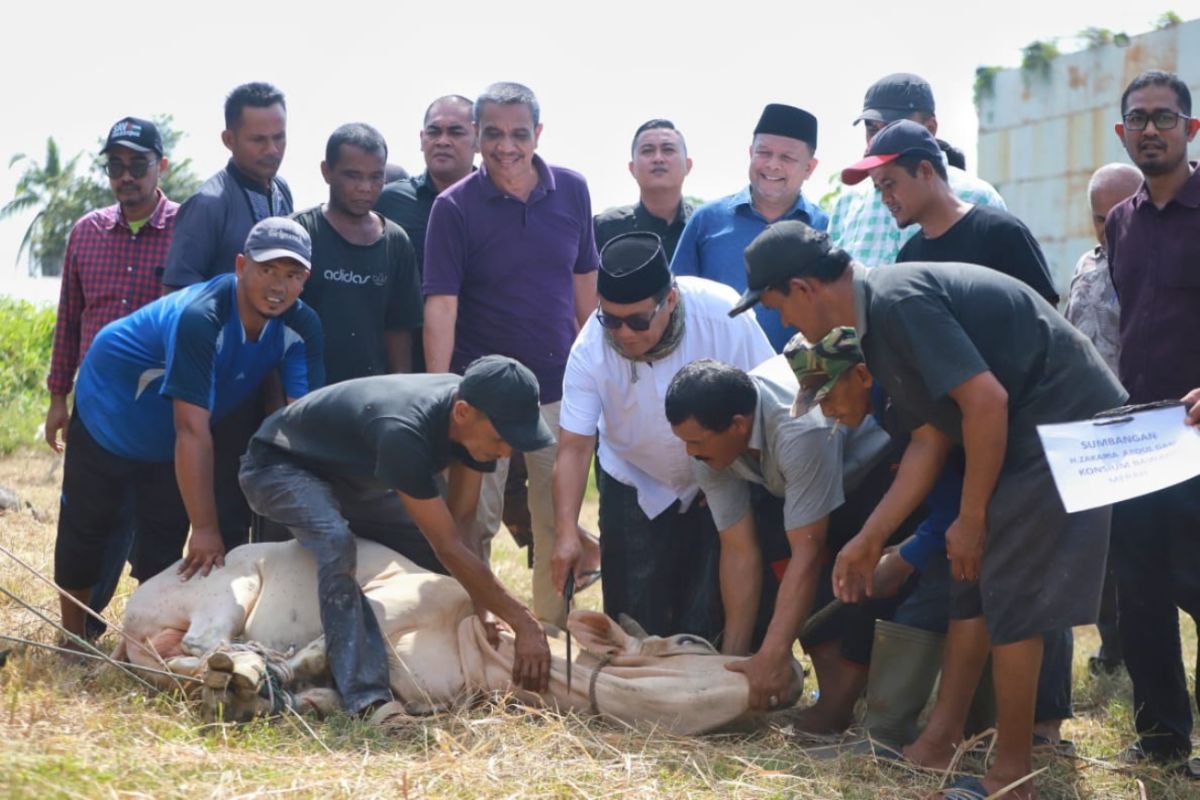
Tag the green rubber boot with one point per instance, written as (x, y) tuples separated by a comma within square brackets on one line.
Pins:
[(905, 663)]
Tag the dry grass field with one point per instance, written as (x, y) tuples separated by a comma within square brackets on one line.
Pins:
[(91, 732)]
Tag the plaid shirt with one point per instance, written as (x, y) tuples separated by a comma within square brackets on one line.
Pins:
[(862, 226), (108, 272)]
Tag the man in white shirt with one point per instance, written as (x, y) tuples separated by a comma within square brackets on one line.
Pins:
[(658, 545)]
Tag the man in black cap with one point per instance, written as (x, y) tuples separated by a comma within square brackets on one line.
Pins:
[(112, 267), (782, 157), (658, 544), (909, 176), (984, 360), (659, 163), (374, 447), (860, 223)]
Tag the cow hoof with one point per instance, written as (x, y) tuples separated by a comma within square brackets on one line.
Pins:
[(320, 701), (390, 716)]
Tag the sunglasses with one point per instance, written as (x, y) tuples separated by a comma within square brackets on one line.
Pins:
[(115, 169), (639, 323), (1163, 120)]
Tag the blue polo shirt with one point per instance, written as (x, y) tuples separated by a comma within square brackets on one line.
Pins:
[(190, 346), (715, 238), (512, 264)]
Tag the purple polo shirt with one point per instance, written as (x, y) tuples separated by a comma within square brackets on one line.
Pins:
[(512, 265), (1155, 259)]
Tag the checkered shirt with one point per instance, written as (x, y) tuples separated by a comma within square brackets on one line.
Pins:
[(862, 226), (108, 272)]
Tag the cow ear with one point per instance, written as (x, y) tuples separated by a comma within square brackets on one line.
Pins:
[(597, 634)]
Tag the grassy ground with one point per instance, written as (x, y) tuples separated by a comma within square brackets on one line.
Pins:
[(68, 731)]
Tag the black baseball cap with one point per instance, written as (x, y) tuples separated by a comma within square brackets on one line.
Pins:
[(900, 138), (507, 392), (896, 96), (780, 252), (139, 135)]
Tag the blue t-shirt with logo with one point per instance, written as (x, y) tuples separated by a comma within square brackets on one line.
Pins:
[(189, 346)]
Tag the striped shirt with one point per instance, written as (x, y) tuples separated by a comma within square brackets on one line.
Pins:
[(108, 272)]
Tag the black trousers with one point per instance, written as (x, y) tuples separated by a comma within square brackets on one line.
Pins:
[(662, 572), (230, 435), (1156, 558), (95, 490)]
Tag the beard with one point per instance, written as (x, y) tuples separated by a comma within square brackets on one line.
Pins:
[(1160, 166)]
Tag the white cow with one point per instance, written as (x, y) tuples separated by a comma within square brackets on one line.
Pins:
[(267, 594)]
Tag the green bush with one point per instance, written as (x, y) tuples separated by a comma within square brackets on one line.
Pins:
[(26, 337)]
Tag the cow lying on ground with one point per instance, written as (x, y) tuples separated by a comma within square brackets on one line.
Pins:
[(266, 594)]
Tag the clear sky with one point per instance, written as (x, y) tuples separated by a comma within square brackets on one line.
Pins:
[(70, 69)]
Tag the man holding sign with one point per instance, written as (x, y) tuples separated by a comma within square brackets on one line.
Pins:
[(1154, 249), (983, 359)]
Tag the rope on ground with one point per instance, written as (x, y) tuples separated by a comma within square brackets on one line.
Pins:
[(64, 593), (68, 651), (99, 654)]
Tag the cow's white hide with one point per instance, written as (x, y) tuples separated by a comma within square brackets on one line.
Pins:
[(267, 593)]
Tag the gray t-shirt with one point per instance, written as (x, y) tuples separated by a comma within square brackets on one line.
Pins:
[(387, 431), (800, 458), (926, 328)]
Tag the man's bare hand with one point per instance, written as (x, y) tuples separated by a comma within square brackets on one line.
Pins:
[(854, 569), (964, 547), (1191, 400), (56, 421), (891, 574), (531, 661), (205, 550), (564, 560), (770, 679)]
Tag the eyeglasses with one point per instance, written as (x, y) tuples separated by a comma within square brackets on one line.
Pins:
[(639, 323), (115, 169), (1163, 120)]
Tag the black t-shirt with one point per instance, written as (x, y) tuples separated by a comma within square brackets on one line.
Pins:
[(992, 238), (360, 291), (388, 430), (931, 327), (407, 202), (623, 219)]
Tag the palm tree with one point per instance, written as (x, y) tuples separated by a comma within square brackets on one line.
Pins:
[(60, 196)]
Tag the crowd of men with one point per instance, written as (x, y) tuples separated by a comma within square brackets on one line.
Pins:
[(367, 367)]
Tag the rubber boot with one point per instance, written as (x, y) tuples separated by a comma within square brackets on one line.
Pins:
[(905, 663)]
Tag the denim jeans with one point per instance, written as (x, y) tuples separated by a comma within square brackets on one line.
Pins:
[(287, 493)]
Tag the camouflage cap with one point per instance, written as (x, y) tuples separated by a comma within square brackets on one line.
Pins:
[(818, 366)]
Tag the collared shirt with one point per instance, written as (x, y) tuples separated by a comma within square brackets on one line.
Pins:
[(715, 239), (212, 224), (623, 219), (407, 202), (1092, 305), (803, 460), (862, 226), (1155, 258), (512, 264), (623, 400), (189, 345), (929, 327), (109, 271)]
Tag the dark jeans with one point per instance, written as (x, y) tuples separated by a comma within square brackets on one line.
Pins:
[(1156, 558), (662, 572), (291, 495), (94, 492)]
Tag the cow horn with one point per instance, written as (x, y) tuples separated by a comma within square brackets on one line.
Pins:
[(630, 626)]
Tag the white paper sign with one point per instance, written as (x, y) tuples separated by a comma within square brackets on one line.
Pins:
[(1096, 464)]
